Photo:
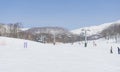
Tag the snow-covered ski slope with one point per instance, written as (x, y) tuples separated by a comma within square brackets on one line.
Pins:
[(39, 57)]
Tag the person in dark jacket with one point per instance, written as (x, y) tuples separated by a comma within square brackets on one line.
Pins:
[(111, 50), (118, 50)]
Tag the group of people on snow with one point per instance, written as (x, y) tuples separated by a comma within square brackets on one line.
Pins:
[(111, 50)]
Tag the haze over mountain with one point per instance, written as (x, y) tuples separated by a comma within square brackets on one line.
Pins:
[(51, 30)]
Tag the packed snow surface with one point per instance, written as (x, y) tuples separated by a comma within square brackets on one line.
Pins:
[(39, 57)]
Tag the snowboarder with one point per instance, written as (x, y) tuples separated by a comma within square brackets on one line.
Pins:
[(118, 50), (25, 44), (111, 50)]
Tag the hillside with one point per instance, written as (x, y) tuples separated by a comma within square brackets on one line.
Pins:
[(47, 34), (39, 57), (92, 30), (50, 34), (50, 30)]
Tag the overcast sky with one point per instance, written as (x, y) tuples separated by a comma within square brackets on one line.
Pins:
[(70, 14)]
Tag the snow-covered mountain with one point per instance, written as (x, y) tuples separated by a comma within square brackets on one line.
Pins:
[(61, 34), (92, 30), (50, 30)]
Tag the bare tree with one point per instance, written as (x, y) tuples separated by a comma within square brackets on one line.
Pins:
[(14, 29)]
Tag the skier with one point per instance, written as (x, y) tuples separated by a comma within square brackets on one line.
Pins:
[(25, 44), (111, 50), (118, 50)]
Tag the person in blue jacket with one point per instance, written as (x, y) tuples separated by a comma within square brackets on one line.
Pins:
[(25, 44)]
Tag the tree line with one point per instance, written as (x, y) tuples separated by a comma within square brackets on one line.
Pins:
[(44, 34), (52, 34), (113, 31)]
